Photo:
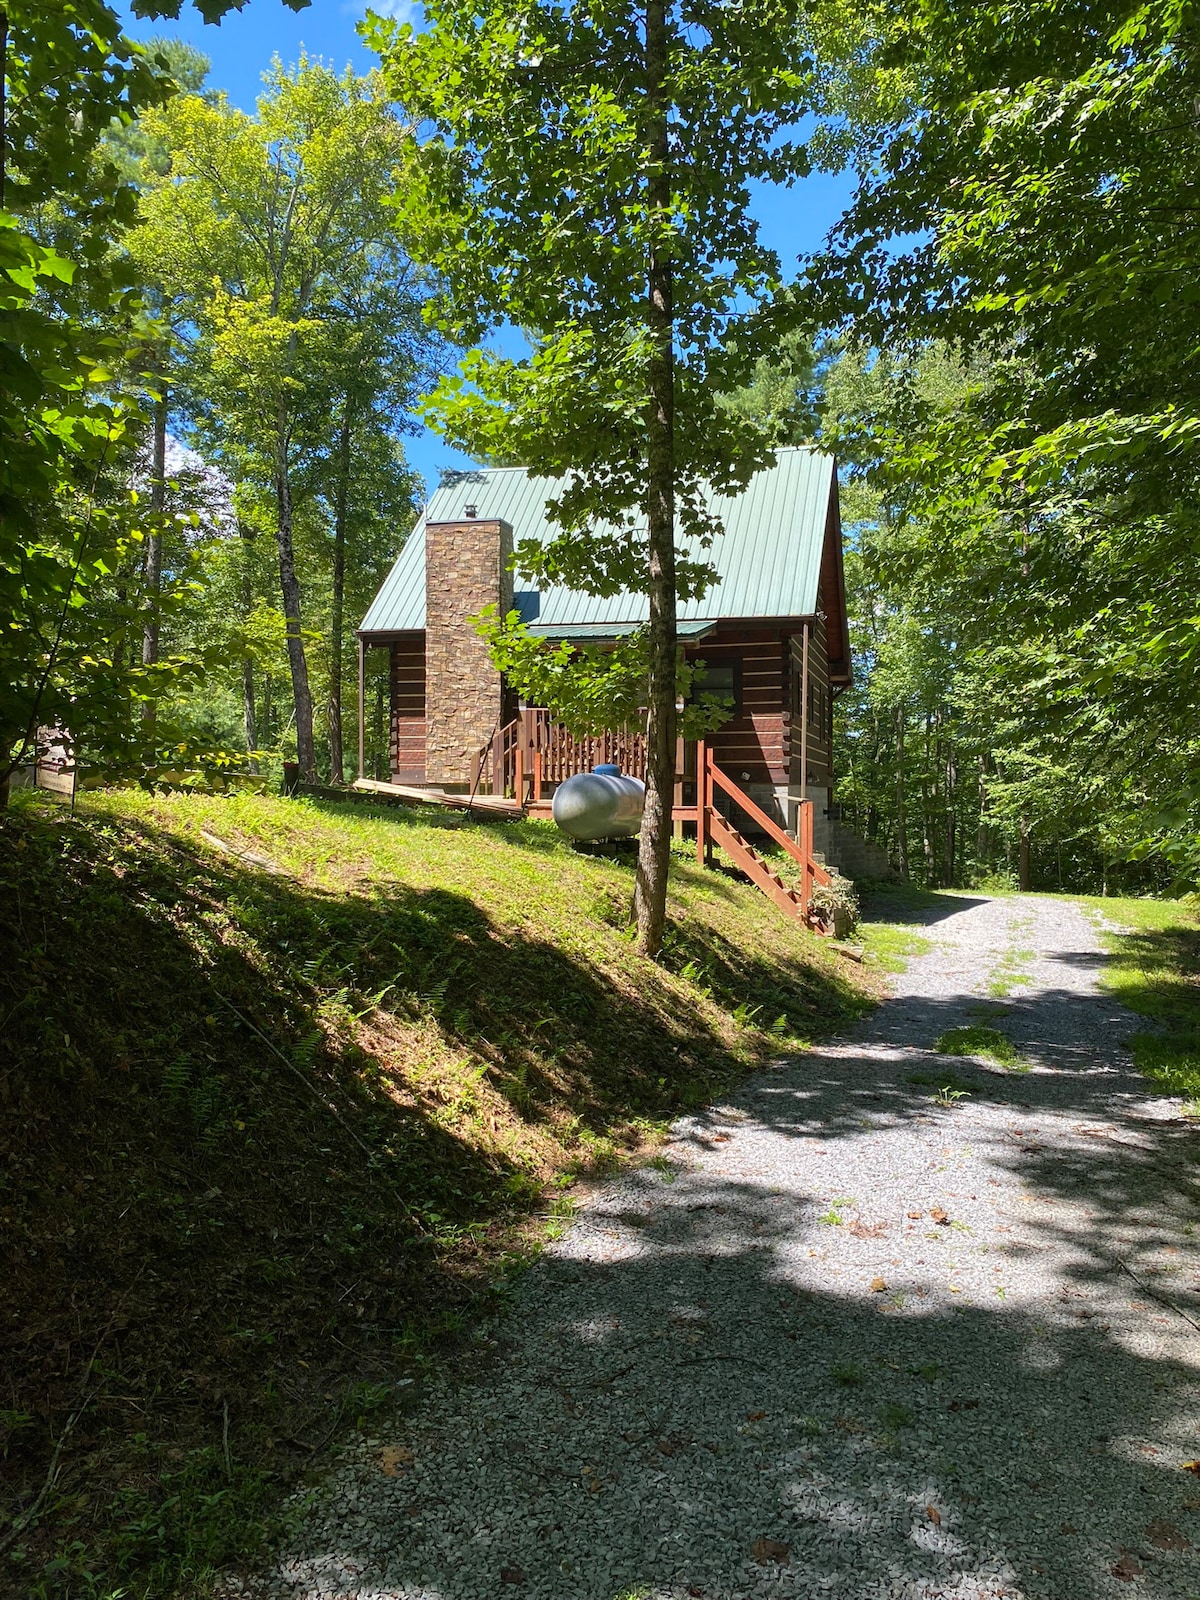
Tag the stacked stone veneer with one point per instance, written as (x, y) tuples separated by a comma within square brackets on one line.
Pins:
[(466, 568)]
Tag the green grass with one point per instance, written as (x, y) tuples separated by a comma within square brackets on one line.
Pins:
[(1155, 971), (890, 946), (1012, 970), (892, 918), (987, 1043), (285, 1111)]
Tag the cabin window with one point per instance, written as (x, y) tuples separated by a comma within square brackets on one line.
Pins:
[(719, 683)]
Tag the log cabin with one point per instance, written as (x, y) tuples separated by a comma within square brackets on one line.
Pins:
[(771, 633)]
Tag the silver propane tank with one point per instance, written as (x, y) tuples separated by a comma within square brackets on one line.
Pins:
[(600, 804)]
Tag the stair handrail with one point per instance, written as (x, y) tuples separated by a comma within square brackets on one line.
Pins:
[(767, 823)]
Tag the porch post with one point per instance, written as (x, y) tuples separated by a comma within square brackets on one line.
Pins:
[(362, 706)]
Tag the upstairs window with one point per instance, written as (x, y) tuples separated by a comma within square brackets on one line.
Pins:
[(719, 683)]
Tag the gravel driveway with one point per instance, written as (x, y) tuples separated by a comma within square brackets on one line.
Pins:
[(846, 1341)]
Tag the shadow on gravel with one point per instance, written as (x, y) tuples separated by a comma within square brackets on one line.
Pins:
[(682, 1413), (667, 1410), (906, 903)]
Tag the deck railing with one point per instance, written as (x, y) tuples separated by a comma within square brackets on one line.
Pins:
[(533, 752)]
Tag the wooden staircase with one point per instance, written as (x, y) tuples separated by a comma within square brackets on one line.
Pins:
[(532, 750), (714, 828)]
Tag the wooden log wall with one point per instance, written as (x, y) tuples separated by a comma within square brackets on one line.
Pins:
[(751, 746), (408, 709)]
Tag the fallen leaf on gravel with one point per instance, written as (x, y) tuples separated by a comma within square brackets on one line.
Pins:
[(392, 1458), (1192, 1466), (1127, 1567), (916, 1216), (864, 1230), (721, 1138), (511, 1575), (878, 1286), (934, 1515), (765, 1550), (1068, 1527), (1166, 1536), (667, 1447), (755, 1416), (939, 1215)]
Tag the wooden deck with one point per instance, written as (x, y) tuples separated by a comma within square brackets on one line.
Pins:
[(409, 794)]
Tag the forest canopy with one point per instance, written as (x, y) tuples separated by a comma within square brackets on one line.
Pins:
[(221, 325)]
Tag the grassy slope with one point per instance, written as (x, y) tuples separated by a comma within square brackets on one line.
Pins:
[(274, 1122)]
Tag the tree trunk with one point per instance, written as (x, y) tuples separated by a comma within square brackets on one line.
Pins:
[(901, 816), (290, 586), (249, 719), (650, 897), (951, 815), (158, 504), (337, 762), (1025, 860)]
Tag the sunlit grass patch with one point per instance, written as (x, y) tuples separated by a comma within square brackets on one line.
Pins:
[(889, 946), (989, 1044), (1154, 970)]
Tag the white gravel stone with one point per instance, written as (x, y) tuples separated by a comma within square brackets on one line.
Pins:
[(702, 1361)]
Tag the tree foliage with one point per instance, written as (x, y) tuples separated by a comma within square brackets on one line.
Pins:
[(588, 179), (273, 237)]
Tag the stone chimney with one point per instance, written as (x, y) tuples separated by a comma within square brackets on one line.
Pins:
[(466, 568)]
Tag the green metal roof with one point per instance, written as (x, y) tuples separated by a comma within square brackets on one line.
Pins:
[(768, 558)]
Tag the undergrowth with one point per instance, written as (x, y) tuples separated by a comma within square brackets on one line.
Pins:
[(288, 1088)]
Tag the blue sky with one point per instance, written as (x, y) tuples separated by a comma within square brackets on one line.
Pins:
[(240, 48)]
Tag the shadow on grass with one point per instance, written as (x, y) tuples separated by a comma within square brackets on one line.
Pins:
[(679, 1384), (238, 1201)]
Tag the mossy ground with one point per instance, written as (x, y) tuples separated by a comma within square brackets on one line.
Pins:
[(288, 1086)]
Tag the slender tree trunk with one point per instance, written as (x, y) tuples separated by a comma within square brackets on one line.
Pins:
[(951, 815), (901, 810), (158, 504), (337, 762), (249, 719), (1025, 859), (650, 898), (248, 716), (290, 586)]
